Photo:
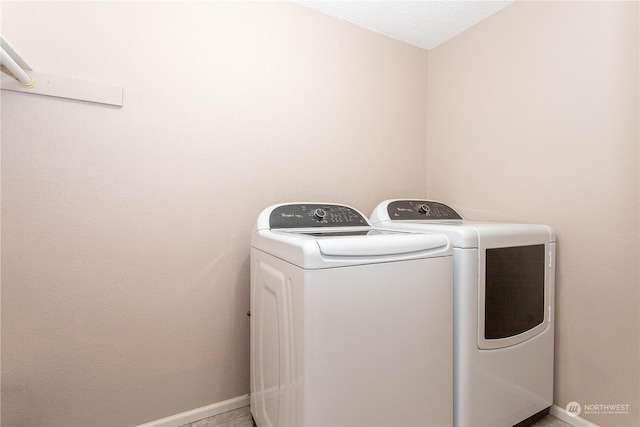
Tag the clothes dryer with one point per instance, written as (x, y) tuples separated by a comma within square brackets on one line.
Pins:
[(504, 284), (350, 325)]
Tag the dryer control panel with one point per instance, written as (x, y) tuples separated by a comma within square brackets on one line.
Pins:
[(420, 209), (308, 215)]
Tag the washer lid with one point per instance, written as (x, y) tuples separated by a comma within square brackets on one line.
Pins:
[(321, 235), (328, 250)]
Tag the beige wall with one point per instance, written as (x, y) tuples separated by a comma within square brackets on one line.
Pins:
[(125, 231), (533, 116), (124, 276)]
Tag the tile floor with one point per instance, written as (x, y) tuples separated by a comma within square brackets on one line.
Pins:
[(551, 421), (242, 418), (236, 418)]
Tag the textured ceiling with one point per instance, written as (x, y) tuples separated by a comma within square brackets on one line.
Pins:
[(422, 23)]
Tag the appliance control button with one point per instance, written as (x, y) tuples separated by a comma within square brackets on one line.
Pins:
[(423, 208), (320, 214)]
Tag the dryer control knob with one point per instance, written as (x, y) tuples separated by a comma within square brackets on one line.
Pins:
[(424, 208), (320, 214)]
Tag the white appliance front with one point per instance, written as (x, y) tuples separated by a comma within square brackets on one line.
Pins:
[(361, 340), (504, 284)]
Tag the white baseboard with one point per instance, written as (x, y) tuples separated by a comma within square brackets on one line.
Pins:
[(561, 414), (200, 413)]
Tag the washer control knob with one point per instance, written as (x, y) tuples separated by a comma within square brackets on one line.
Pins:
[(319, 214), (423, 208)]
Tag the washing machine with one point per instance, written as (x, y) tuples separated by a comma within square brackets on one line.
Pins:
[(504, 284), (350, 325)]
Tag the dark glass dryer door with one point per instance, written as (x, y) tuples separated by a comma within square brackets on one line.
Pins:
[(513, 295)]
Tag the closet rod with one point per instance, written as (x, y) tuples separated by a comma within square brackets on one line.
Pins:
[(25, 79)]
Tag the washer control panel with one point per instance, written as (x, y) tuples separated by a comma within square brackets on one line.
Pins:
[(420, 209), (307, 215)]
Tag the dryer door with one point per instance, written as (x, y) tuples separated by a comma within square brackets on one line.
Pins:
[(514, 301)]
